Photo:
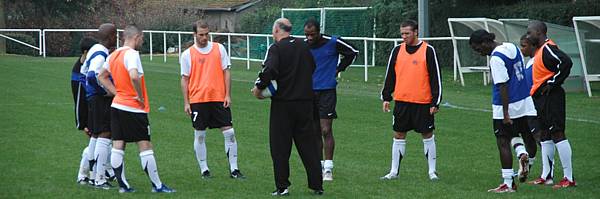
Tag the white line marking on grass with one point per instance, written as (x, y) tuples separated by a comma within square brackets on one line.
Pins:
[(447, 104), (35, 104)]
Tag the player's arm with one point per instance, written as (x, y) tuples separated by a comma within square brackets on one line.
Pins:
[(558, 62), (435, 80), (348, 52), (500, 77), (185, 81), (226, 63), (269, 71), (390, 80), (136, 81), (103, 77)]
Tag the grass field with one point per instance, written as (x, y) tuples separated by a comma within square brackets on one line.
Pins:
[(40, 148)]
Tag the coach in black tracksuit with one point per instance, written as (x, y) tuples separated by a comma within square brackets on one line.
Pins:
[(290, 63)]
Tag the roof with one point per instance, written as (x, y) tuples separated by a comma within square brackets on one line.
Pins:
[(216, 5)]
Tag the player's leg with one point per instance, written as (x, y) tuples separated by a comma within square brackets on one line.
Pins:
[(504, 136), (221, 117), (93, 122), (280, 142), (140, 128), (556, 108), (199, 118), (103, 143), (118, 150), (546, 143), (327, 103), (424, 122), (306, 139), (401, 124), (531, 137), (84, 168)]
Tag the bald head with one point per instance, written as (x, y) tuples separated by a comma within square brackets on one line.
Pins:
[(536, 32), (281, 28), (107, 35), (133, 35)]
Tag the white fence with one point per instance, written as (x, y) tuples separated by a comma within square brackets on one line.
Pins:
[(44, 32)]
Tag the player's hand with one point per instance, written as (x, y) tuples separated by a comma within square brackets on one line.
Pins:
[(257, 93), (546, 89), (227, 102), (140, 100), (386, 106), (87, 131), (187, 109), (433, 110), (507, 120)]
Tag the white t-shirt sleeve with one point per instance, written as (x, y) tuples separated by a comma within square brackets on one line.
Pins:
[(96, 63), (498, 69), (106, 66), (185, 62), (225, 60), (132, 61)]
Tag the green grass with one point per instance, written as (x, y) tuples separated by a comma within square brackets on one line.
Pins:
[(40, 148)]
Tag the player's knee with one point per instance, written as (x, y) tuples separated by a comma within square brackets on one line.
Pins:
[(400, 135), (144, 145), (558, 136), (326, 131), (104, 135), (427, 135)]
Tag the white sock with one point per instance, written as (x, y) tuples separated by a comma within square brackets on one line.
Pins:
[(84, 165), (149, 166), (564, 152), (91, 158), (231, 148), (547, 159), (507, 175), (328, 165), (116, 160), (398, 148), (531, 160), (430, 153), (323, 165), (519, 146), (101, 154), (200, 149)]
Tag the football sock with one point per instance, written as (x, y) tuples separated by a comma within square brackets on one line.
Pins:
[(116, 160), (547, 159), (101, 154), (328, 165), (91, 158), (149, 166), (398, 148), (564, 152), (507, 175), (430, 153), (200, 149), (84, 165), (231, 148), (519, 146)]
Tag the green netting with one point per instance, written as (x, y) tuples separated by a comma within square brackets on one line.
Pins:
[(354, 23), (466, 55), (299, 17)]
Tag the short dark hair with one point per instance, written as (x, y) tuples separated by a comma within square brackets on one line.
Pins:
[(86, 43), (131, 30), (312, 22), (539, 26), (200, 23), (481, 36), (411, 23)]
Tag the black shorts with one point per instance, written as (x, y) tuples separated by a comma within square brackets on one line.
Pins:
[(551, 110), (81, 105), (211, 115), (99, 114), (411, 116), (520, 126), (326, 101), (129, 126)]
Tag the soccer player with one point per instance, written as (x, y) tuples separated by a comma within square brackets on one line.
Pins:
[(290, 63), (413, 77), (551, 67), (512, 107), (326, 51), (80, 105), (129, 109), (99, 104), (206, 88)]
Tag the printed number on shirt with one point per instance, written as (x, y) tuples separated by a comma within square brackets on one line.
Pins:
[(519, 70)]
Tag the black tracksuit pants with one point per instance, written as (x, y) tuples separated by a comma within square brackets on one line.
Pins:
[(294, 120)]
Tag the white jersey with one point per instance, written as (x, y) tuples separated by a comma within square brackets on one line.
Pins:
[(186, 63), (94, 59), (499, 72)]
